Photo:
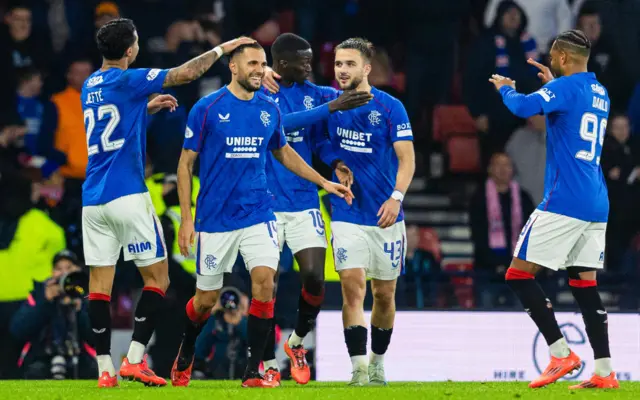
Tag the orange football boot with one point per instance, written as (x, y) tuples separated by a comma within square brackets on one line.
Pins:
[(255, 380), (140, 373), (599, 382), (181, 378), (272, 375), (558, 367), (299, 368), (107, 380)]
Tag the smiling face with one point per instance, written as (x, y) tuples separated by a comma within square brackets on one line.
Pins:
[(247, 68), (351, 68)]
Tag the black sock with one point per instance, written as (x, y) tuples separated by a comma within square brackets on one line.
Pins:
[(270, 345), (594, 316), (535, 303), (100, 317), (308, 310), (258, 327), (194, 323), (147, 311), (380, 339), (355, 337)]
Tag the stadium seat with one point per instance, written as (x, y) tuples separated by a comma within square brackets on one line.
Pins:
[(464, 154), (462, 285), (429, 241), (452, 120)]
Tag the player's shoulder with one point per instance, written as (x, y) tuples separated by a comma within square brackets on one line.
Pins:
[(385, 101), (323, 91), (264, 98), (211, 99)]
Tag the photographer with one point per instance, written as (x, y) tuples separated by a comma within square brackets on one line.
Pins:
[(55, 324), (221, 348)]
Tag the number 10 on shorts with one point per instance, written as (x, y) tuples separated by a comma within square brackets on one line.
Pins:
[(395, 250)]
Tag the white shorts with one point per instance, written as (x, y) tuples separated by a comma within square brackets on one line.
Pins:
[(380, 252), (129, 223), (556, 241), (216, 253), (301, 230)]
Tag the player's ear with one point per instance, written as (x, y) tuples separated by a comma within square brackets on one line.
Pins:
[(129, 52), (233, 67), (367, 68)]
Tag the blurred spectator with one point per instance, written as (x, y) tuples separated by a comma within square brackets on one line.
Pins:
[(18, 48), (547, 19), (39, 116), (70, 137), (85, 46), (28, 242), (498, 211), (504, 50), (621, 168), (381, 75), (527, 148), (221, 348), (422, 275), (589, 22), (54, 321)]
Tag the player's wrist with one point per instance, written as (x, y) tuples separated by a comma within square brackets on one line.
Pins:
[(397, 195), (219, 51), (336, 163)]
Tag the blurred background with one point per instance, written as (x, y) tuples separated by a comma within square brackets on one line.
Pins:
[(434, 55)]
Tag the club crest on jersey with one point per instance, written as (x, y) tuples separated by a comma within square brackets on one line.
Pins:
[(308, 102), (374, 117), (265, 117), (210, 262), (224, 118)]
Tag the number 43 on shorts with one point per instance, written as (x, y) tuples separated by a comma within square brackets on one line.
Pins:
[(395, 251)]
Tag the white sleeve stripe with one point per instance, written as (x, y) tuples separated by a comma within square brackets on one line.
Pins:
[(404, 133)]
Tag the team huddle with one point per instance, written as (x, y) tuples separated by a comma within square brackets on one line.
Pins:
[(254, 140)]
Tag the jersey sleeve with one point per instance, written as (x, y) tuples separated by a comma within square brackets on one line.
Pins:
[(277, 140), (321, 144), (327, 94), (195, 131), (551, 97), (400, 125), (143, 82)]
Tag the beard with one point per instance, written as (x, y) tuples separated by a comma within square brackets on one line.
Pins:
[(556, 71), (355, 82), (247, 85)]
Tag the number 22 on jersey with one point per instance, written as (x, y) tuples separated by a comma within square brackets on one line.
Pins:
[(104, 111), (593, 132)]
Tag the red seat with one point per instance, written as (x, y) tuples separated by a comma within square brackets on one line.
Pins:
[(452, 119), (462, 286), (464, 154)]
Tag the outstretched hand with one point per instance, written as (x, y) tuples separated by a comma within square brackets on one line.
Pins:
[(231, 45), (160, 102), (339, 190), (545, 74), (500, 81), (269, 80), (344, 174)]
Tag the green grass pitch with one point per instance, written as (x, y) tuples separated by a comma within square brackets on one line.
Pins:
[(217, 390)]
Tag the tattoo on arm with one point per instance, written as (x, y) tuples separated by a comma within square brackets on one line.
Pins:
[(191, 70)]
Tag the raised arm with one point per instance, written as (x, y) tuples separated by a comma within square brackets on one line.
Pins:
[(186, 235), (346, 101), (288, 157), (196, 67)]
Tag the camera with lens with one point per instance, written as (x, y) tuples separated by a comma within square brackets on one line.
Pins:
[(74, 284)]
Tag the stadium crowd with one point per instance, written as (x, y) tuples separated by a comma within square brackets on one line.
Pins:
[(434, 55)]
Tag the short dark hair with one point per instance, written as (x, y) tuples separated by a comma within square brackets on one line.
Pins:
[(240, 49), (25, 74), (364, 46), (286, 45), (18, 4), (115, 37), (589, 8), (574, 41)]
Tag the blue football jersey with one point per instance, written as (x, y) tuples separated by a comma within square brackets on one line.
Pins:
[(363, 138), (291, 192), (576, 109), (114, 103), (233, 137)]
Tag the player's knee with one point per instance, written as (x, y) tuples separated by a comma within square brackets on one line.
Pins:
[(353, 293), (384, 298), (313, 281), (262, 283), (581, 273)]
